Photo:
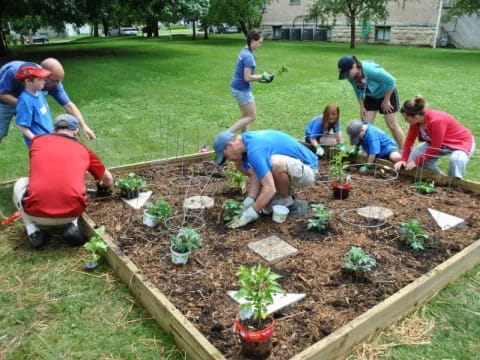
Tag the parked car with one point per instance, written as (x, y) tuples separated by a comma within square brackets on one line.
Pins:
[(225, 28), (123, 31), (40, 39)]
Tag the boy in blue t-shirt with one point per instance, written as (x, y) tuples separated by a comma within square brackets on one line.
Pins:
[(33, 114), (374, 142)]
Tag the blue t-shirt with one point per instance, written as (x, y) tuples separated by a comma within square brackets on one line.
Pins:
[(377, 142), (262, 144), (314, 128), (10, 85), (33, 113), (245, 59)]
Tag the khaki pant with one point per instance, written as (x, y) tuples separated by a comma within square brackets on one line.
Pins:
[(301, 175)]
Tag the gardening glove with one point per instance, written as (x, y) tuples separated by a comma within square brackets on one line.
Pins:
[(247, 216), (365, 168), (320, 151), (354, 152), (341, 147), (249, 201), (266, 77)]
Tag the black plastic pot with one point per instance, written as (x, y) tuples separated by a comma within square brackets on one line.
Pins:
[(341, 191), (129, 194)]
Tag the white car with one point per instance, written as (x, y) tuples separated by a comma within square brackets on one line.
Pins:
[(122, 31)]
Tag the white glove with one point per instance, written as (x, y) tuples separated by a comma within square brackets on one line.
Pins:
[(320, 151), (249, 201), (248, 215)]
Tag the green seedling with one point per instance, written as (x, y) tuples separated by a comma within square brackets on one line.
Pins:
[(337, 167), (235, 177), (282, 69), (160, 209), (233, 209), (357, 261), (321, 219), (96, 245), (186, 240), (425, 188), (257, 287), (412, 234), (130, 182)]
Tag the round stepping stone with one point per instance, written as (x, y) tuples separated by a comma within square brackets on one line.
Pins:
[(375, 213), (198, 202)]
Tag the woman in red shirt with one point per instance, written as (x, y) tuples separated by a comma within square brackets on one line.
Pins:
[(439, 133)]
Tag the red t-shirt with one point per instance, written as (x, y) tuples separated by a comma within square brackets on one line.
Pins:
[(444, 131), (58, 165)]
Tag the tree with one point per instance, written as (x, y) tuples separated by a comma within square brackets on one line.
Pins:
[(315, 12), (353, 10), (463, 7), (189, 10)]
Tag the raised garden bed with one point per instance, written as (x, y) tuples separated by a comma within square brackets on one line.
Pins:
[(329, 321)]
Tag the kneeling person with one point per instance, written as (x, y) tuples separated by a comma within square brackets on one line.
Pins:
[(55, 192), (273, 162)]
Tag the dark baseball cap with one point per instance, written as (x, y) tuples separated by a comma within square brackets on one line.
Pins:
[(66, 121), (345, 64)]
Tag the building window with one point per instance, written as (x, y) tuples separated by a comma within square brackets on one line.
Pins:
[(382, 33), (294, 1)]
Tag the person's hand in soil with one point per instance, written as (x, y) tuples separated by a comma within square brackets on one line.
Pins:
[(364, 169), (247, 216)]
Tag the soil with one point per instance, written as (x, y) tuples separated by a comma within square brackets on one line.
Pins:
[(199, 288)]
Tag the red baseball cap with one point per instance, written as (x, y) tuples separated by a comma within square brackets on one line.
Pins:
[(29, 71)]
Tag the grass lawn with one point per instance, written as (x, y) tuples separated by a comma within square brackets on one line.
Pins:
[(152, 98)]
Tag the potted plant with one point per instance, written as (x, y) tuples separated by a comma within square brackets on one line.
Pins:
[(357, 262), (425, 188), (321, 220), (186, 241), (341, 181), (130, 185), (96, 246), (413, 236), (257, 287), (156, 212), (233, 209)]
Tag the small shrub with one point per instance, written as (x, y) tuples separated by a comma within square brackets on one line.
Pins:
[(186, 240), (96, 245), (412, 234), (321, 219), (257, 286), (337, 167), (160, 209), (425, 188), (233, 209), (235, 177), (357, 261), (130, 182)]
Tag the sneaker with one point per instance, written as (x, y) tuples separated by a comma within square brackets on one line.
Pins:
[(287, 202), (38, 239), (72, 235)]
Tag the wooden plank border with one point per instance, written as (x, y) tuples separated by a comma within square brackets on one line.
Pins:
[(335, 346)]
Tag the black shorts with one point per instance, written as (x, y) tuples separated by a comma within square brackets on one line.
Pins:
[(372, 104)]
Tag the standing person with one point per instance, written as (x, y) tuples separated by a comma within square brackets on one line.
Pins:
[(243, 76), (440, 134), (273, 162), (11, 88), (33, 113), (54, 193), (374, 142), (325, 129), (375, 90)]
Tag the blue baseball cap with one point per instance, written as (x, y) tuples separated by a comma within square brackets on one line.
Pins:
[(220, 143), (345, 64), (66, 121)]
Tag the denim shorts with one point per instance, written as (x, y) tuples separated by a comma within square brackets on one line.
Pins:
[(7, 112), (242, 97)]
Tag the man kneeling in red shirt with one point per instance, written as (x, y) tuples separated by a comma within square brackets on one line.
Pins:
[(55, 193)]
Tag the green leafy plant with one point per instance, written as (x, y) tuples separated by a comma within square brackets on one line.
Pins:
[(412, 234), (160, 209), (96, 245), (282, 69), (321, 219), (257, 287), (425, 188), (357, 261), (234, 209), (186, 240), (130, 182), (235, 177), (337, 167)]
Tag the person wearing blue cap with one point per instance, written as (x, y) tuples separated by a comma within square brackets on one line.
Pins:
[(54, 194), (375, 90), (273, 161)]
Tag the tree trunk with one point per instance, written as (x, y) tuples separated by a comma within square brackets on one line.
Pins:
[(194, 32), (205, 31), (4, 52), (352, 32), (105, 26), (95, 29)]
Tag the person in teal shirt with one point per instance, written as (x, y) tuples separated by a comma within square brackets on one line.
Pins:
[(375, 90)]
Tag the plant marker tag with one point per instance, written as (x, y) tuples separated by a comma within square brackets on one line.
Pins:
[(445, 221), (279, 300), (139, 201), (272, 248)]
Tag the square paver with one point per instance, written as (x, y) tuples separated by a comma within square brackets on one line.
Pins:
[(272, 248)]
